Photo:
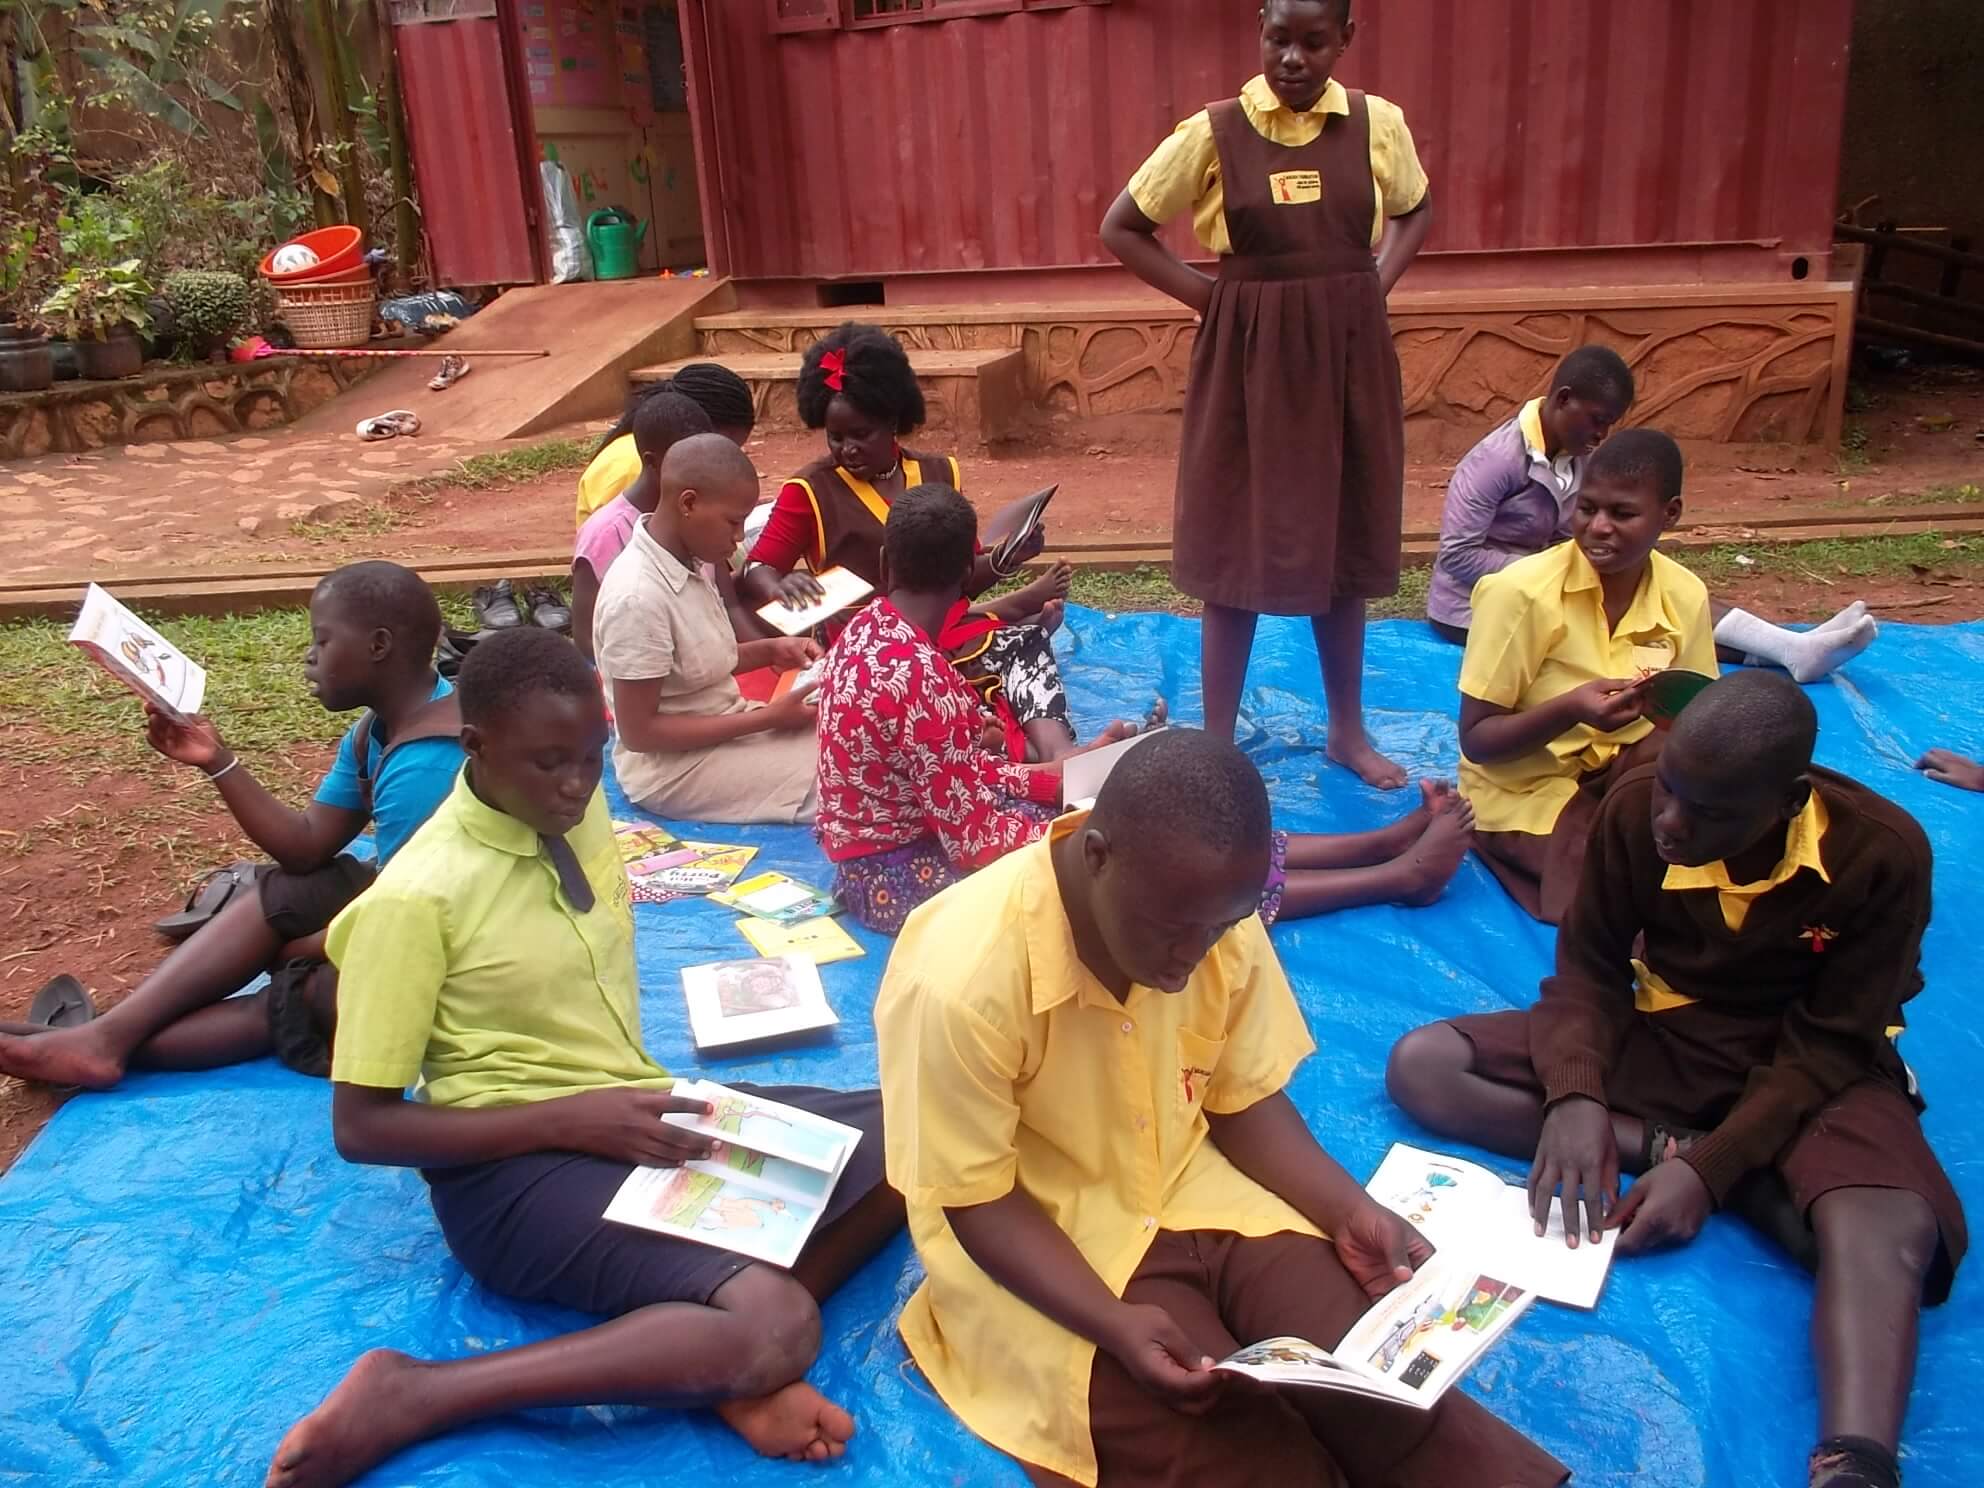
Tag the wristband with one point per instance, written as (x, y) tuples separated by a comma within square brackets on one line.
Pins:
[(233, 764)]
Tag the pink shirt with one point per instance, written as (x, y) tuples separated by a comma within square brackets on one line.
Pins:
[(605, 533)]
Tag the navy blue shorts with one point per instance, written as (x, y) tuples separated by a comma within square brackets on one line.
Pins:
[(531, 1228)]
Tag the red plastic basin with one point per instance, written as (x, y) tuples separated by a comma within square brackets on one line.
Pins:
[(339, 250)]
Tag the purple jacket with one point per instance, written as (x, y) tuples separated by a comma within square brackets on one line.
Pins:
[(1502, 504)]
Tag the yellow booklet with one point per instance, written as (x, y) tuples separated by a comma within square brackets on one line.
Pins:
[(818, 941)]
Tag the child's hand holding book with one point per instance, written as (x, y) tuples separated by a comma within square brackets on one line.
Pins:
[(187, 741)]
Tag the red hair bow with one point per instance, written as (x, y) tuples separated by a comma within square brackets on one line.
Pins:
[(834, 364)]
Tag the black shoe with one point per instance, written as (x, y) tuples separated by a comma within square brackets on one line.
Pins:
[(453, 650), (548, 610), (496, 607)]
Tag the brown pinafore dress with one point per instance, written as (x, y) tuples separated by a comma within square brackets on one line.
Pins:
[(1291, 475), (850, 516)]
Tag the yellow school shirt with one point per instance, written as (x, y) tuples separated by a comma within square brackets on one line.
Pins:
[(1005, 1062), (611, 472), (465, 967), (1539, 631), (1182, 174)]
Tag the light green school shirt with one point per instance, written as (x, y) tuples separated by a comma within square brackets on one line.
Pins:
[(464, 966)]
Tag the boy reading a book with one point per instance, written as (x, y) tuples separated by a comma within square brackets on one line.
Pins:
[(373, 628), (689, 745), (1553, 687), (493, 962), (1084, 1052), (1728, 978)]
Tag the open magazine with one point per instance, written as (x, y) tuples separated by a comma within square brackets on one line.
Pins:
[(1465, 1210), (760, 1193), (662, 867), (1410, 1348), (138, 656)]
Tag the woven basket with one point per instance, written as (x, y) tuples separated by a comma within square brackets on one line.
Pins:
[(323, 316)]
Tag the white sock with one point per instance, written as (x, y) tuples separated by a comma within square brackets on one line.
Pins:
[(1846, 618), (1807, 656)]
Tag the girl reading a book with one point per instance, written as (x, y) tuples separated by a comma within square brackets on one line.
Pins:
[(858, 387), (536, 1108), (910, 800)]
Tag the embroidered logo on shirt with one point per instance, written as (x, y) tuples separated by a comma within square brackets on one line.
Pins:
[(1293, 188), (1820, 936), (1191, 1082)]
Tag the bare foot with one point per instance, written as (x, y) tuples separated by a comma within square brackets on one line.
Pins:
[(1354, 752), (1431, 863), (1116, 733), (60, 1056), (797, 1423), (1052, 585), (1051, 615), (371, 1415)]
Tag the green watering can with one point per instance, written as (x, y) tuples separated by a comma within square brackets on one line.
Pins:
[(615, 240)]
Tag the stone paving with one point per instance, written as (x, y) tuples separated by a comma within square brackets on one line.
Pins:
[(147, 506)]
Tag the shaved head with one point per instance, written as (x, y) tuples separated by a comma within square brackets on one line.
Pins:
[(1752, 723), (708, 464)]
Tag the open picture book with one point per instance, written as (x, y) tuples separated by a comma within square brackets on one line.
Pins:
[(1465, 1210), (733, 1003), (1026, 516), (1082, 775), (760, 1193), (138, 656), (1410, 1348), (841, 588)]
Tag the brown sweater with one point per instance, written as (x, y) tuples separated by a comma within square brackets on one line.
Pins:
[(1832, 999)]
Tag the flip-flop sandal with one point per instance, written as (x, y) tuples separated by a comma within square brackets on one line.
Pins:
[(453, 370), (401, 421), (548, 610), (63, 1002), (213, 893)]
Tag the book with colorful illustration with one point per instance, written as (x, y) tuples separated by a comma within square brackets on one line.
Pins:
[(818, 940), (733, 1003), (138, 656), (1413, 1345), (663, 867), (760, 1193), (774, 896), (1465, 1210)]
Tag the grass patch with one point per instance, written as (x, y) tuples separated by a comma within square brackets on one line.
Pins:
[(510, 467), (1854, 455), (1867, 557), (255, 693), (374, 519), (1965, 495), (1150, 588)]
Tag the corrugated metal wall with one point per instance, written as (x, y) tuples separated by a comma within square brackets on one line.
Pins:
[(462, 124), (998, 142)]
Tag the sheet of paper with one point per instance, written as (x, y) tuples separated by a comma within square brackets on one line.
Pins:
[(842, 589), (747, 1002), (1083, 774)]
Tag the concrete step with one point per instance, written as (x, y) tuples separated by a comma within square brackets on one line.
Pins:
[(978, 392)]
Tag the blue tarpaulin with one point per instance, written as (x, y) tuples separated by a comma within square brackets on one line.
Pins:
[(191, 1266)]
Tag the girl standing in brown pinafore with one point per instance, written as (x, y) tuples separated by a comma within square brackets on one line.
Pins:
[(1292, 469)]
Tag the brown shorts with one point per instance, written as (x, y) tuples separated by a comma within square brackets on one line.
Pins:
[(301, 904), (1541, 873), (1225, 1291), (1687, 1067)]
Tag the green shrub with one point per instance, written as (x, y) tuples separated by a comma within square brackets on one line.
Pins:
[(207, 308)]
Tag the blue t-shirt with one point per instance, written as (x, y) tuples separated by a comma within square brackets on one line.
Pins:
[(405, 790)]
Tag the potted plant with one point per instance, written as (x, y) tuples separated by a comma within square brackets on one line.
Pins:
[(206, 309), (26, 363), (103, 310)]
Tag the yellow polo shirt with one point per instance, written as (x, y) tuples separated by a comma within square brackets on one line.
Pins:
[(1182, 174), (1006, 1063), (465, 967), (611, 472), (1539, 631)]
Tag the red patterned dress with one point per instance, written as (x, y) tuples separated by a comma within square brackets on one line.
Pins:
[(909, 800)]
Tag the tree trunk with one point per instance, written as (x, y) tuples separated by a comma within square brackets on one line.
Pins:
[(293, 82), (406, 220), (343, 129)]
